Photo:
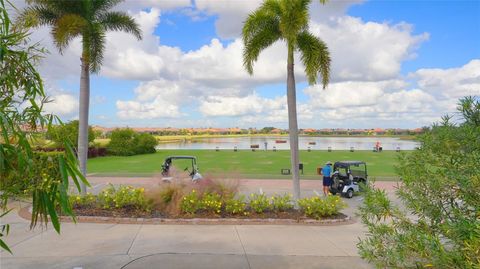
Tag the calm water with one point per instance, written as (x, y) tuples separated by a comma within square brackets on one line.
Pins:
[(321, 143)]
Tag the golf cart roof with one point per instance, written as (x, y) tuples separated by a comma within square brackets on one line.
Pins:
[(180, 157), (348, 163)]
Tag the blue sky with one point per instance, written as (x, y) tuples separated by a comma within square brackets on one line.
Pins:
[(394, 64)]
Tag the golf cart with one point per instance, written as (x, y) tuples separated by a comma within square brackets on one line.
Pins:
[(194, 174), (347, 175)]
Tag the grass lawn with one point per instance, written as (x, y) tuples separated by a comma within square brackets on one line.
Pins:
[(244, 163)]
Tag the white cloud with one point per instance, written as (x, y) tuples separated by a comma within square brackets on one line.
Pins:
[(367, 50), (159, 108), (451, 83), (62, 104), (239, 106)]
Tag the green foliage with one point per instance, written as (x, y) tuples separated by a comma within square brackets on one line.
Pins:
[(87, 200), (21, 104), (317, 207), (437, 224), (145, 143), (211, 202), (259, 202), (191, 203), (126, 142), (236, 206), (286, 20), (69, 131), (124, 197), (89, 20), (282, 202)]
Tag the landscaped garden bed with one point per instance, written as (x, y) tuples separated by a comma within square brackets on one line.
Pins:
[(209, 199)]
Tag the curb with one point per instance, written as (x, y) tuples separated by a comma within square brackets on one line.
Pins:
[(25, 213)]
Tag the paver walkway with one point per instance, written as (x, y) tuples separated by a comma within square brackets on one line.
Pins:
[(88, 245)]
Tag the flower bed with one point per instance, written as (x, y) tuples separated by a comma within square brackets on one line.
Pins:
[(207, 200)]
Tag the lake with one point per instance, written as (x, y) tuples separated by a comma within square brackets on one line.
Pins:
[(315, 143)]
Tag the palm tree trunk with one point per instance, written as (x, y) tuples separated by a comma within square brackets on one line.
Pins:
[(292, 124), (83, 120)]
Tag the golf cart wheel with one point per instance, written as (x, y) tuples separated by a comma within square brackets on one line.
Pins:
[(333, 192), (349, 193)]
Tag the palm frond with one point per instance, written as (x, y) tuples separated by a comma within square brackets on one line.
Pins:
[(35, 16), (67, 28), (267, 14), (100, 6), (120, 21), (258, 42), (96, 47), (294, 18), (59, 7), (315, 57)]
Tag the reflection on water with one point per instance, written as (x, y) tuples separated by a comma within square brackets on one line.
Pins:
[(314, 143)]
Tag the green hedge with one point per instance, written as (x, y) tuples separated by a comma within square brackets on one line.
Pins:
[(126, 142)]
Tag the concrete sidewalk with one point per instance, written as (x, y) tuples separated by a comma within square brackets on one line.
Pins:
[(89, 245)]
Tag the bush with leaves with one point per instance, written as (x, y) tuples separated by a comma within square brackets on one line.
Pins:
[(191, 203), (236, 206), (211, 202), (259, 203), (437, 223), (145, 143), (126, 142), (21, 113), (69, 131), (282, 202), (124, 197), (317, 207)]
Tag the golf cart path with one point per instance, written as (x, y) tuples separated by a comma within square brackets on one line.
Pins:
[(245, 184)]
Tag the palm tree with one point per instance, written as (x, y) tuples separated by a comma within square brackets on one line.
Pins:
[(287, 20), (90, 20)]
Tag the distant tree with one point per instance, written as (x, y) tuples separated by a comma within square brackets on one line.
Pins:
[(266, 130), (68, 131), (437, 225), (126, 142)]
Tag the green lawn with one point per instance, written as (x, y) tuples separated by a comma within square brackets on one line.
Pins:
[(244, 163)]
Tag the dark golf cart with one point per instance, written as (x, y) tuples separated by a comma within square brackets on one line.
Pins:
[(347, 175), (194, 174)]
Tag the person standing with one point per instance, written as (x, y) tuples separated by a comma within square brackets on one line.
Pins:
[(327, 177)]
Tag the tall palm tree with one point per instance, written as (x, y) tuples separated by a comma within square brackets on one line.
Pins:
[(287, 20), (89, 20)]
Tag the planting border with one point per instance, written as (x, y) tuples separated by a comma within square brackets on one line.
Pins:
[(25, 213)]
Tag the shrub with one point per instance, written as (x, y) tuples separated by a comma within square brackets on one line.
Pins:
[(122, 142), (236, 206), (316, 207), (211, 202), (259, 202), (60, 133), (145, 143), (125, 196), (282, 202), (88, 200), (191, 203), (126, 142), (437, 224)]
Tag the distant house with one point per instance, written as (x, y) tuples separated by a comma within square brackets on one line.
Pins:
[(379, 131)]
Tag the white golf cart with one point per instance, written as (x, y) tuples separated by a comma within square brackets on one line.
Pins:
[(347, 175)]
